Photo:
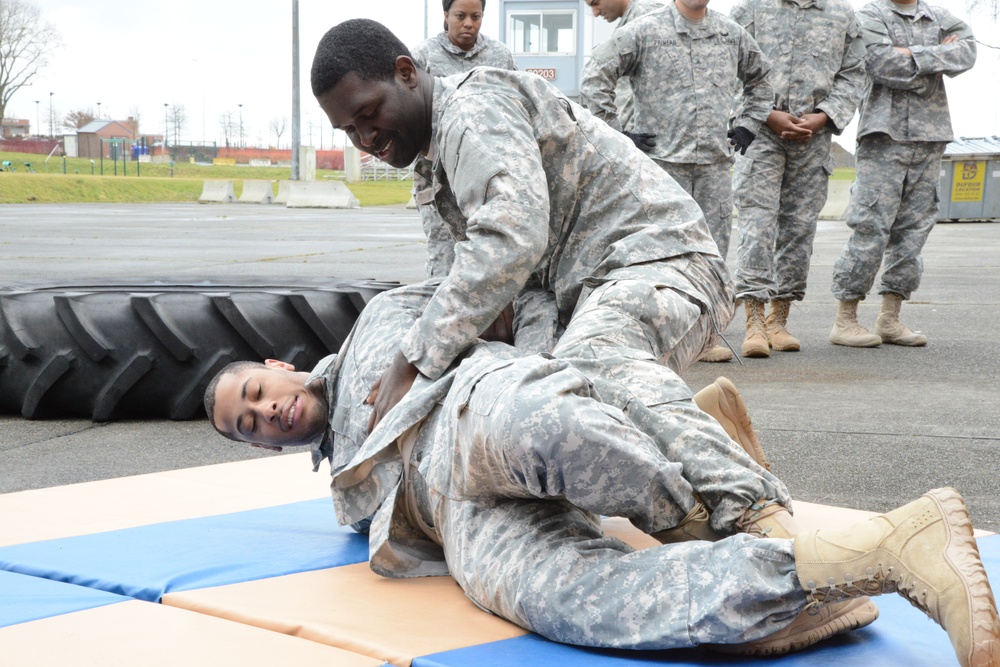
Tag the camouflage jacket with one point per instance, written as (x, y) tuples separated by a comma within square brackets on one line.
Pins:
[(367, 470), (623, 91), (906, 98), (439, 57), (537, 192), (684, 81), (815, 51)]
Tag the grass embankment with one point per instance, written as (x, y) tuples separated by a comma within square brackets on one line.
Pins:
[(154, 182)]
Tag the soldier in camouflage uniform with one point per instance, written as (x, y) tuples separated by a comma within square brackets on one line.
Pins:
[(623, 11), (905, 126), (497, 473), (780, 185), (557, 210), (548, 202), (684, 75), (458, 49)]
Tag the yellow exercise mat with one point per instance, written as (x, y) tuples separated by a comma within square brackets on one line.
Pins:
[(352, 608), (151, 635), (126, 502)]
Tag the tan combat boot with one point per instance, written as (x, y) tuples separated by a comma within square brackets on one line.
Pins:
[(775, 325), (692, 527), (766, 518), (847, 331), (890, 329), (924, 551), (723, 402), (755, 342), (812, 625), (718, 354)]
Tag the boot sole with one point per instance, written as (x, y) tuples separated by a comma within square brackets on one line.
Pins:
[(856, 614), (731, 404), (962, 554), (849, 344)]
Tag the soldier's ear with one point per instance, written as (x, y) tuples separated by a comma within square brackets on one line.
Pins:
[(274, 363), (406, 71)]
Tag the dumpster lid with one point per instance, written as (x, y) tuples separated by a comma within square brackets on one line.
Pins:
[(965, 147)]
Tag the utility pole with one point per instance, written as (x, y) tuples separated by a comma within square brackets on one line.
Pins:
[(296, 129)]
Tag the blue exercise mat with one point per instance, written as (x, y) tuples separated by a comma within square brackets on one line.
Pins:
[(148, 561), (24, 598)]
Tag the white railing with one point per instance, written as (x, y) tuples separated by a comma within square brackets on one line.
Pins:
[(373, 169)]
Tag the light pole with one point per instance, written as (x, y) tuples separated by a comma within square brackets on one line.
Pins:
[(166, 128), (242, 143), (51, 118), (98, 111), (38, 122)]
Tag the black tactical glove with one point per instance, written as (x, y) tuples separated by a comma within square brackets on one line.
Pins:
[(741, 138), (642, 140)]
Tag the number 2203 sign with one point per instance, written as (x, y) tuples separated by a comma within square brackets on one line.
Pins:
[(547, 73)]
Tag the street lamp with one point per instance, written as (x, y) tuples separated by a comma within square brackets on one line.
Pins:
[(166, 128), (242, 144), (98, 111), (52, 118), (38, 122)]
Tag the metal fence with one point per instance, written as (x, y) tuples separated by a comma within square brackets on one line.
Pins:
[(373, 169)]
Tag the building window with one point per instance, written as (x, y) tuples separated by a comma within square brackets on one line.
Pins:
[(552, 32)]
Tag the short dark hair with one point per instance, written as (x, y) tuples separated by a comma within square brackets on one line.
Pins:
[(213, 385), (448, 3), (362, 46)]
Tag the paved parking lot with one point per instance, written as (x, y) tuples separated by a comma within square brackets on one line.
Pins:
[(859, 428)]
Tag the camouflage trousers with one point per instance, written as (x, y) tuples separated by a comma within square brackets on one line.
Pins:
[(780, 188), (894, 206), (440, 242), (711, 186), (520, 462), (631, 336)]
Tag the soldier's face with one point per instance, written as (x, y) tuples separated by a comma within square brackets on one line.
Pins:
[(270, 406), (463, 21), (388, 119), (609, 10)]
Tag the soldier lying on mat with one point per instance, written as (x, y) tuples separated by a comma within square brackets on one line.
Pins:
[(498, 471)]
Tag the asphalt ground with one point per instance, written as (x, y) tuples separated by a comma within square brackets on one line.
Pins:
[(861, 428)]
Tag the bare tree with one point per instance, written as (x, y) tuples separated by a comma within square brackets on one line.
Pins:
[(77, 118), (134, 116), (25, 44), (228, 127), (178, 118), (278, 126)]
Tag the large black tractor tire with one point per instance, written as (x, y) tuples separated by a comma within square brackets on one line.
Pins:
[(149, 350)]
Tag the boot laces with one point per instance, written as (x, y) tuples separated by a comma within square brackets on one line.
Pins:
[(877, 581), (748, 523)]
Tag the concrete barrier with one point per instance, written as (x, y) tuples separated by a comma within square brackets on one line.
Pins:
[(257, 192), (320, 194), (837, 199), (283, 188), (220, 192)]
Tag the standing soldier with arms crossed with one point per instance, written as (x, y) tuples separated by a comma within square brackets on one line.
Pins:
[(780, 185), (905, 126)]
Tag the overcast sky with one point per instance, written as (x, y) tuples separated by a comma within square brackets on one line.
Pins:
[(212, 55)]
